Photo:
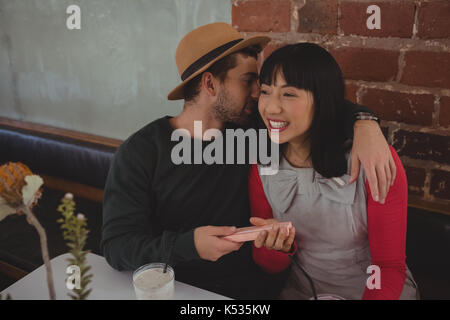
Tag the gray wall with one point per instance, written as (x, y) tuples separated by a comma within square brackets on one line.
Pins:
[(111, 77)]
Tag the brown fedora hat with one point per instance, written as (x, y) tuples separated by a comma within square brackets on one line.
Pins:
[(203, 46)]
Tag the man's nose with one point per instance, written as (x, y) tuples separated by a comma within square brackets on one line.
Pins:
[(255, 91)]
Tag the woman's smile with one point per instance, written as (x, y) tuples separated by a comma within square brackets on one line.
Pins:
[(277, 125)]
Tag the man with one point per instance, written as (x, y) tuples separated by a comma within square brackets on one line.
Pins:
[(153, 206)]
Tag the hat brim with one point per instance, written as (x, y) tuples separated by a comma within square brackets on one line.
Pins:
[(178, 92)]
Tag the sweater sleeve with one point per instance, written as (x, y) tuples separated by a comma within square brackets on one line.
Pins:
[(271, 261), (130, 236), (387, 236)]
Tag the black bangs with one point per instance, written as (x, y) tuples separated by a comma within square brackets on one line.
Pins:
[(304, 66), (296, 72)]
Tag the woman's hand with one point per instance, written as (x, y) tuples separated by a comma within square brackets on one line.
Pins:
[(280, 239)]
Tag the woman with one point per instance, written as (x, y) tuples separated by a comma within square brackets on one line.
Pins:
[(339, 229)]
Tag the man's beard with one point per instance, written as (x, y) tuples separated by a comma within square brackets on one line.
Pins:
[(227, 110)]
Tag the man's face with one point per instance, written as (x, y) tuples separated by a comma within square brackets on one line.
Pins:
[(239, 92)]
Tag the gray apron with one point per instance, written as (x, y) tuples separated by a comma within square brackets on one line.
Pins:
[(330, 219)]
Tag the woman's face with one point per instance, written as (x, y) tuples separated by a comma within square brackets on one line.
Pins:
[(286, 110)]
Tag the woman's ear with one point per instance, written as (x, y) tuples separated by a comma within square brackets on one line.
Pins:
[(209, 83)]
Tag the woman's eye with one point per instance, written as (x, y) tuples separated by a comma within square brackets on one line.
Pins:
[(288, 95), (264, 91)]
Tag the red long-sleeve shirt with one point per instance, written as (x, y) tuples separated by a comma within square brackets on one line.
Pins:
[(386, 232)]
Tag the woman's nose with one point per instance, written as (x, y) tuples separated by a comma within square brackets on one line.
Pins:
[(273, 105)]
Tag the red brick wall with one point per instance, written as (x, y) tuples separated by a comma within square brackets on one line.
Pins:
[(401, 71)]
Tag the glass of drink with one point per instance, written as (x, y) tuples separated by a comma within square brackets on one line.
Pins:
[(151, 283)]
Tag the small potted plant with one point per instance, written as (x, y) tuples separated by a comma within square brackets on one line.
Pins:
[(75, 233)]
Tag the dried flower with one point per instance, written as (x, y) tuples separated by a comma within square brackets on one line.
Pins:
[(81, 216), (68, 196), (19, 193), (18, 187)]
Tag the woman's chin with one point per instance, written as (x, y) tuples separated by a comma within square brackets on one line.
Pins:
[(277, 137)]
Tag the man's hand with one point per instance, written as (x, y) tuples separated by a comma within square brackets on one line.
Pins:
[(210, 246), (371, 149), (280, 239)]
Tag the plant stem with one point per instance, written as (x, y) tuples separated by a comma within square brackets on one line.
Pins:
[(45, 256)]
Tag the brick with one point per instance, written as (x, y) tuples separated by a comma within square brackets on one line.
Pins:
[(367, 64), (400, 107), (267, 51), (397, 19), (318, 16), (444, 114), (262, 16), (428, 69), (416, 180), (434, 20), (350, 92), (440, 184), (424, 146)]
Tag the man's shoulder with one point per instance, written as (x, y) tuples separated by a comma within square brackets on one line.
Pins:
[(160, 125), (147, 140), (151, 132)]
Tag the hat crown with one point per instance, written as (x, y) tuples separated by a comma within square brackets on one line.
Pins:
[(201, 41)]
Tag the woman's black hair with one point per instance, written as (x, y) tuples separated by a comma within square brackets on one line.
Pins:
[(310, 67)]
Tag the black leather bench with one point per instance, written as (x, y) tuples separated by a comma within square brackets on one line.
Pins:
[(428, 252), (69, 162)]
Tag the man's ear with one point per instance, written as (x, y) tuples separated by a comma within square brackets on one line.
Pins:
[(210, 84)]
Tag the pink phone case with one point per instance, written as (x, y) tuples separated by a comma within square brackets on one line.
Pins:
[(251, 233)]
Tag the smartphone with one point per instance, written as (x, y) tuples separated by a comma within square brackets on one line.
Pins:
[(251, 233)]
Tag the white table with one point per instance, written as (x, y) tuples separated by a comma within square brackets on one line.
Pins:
[(107, 283)]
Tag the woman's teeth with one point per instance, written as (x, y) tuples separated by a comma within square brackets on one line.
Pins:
[(278, 124)]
